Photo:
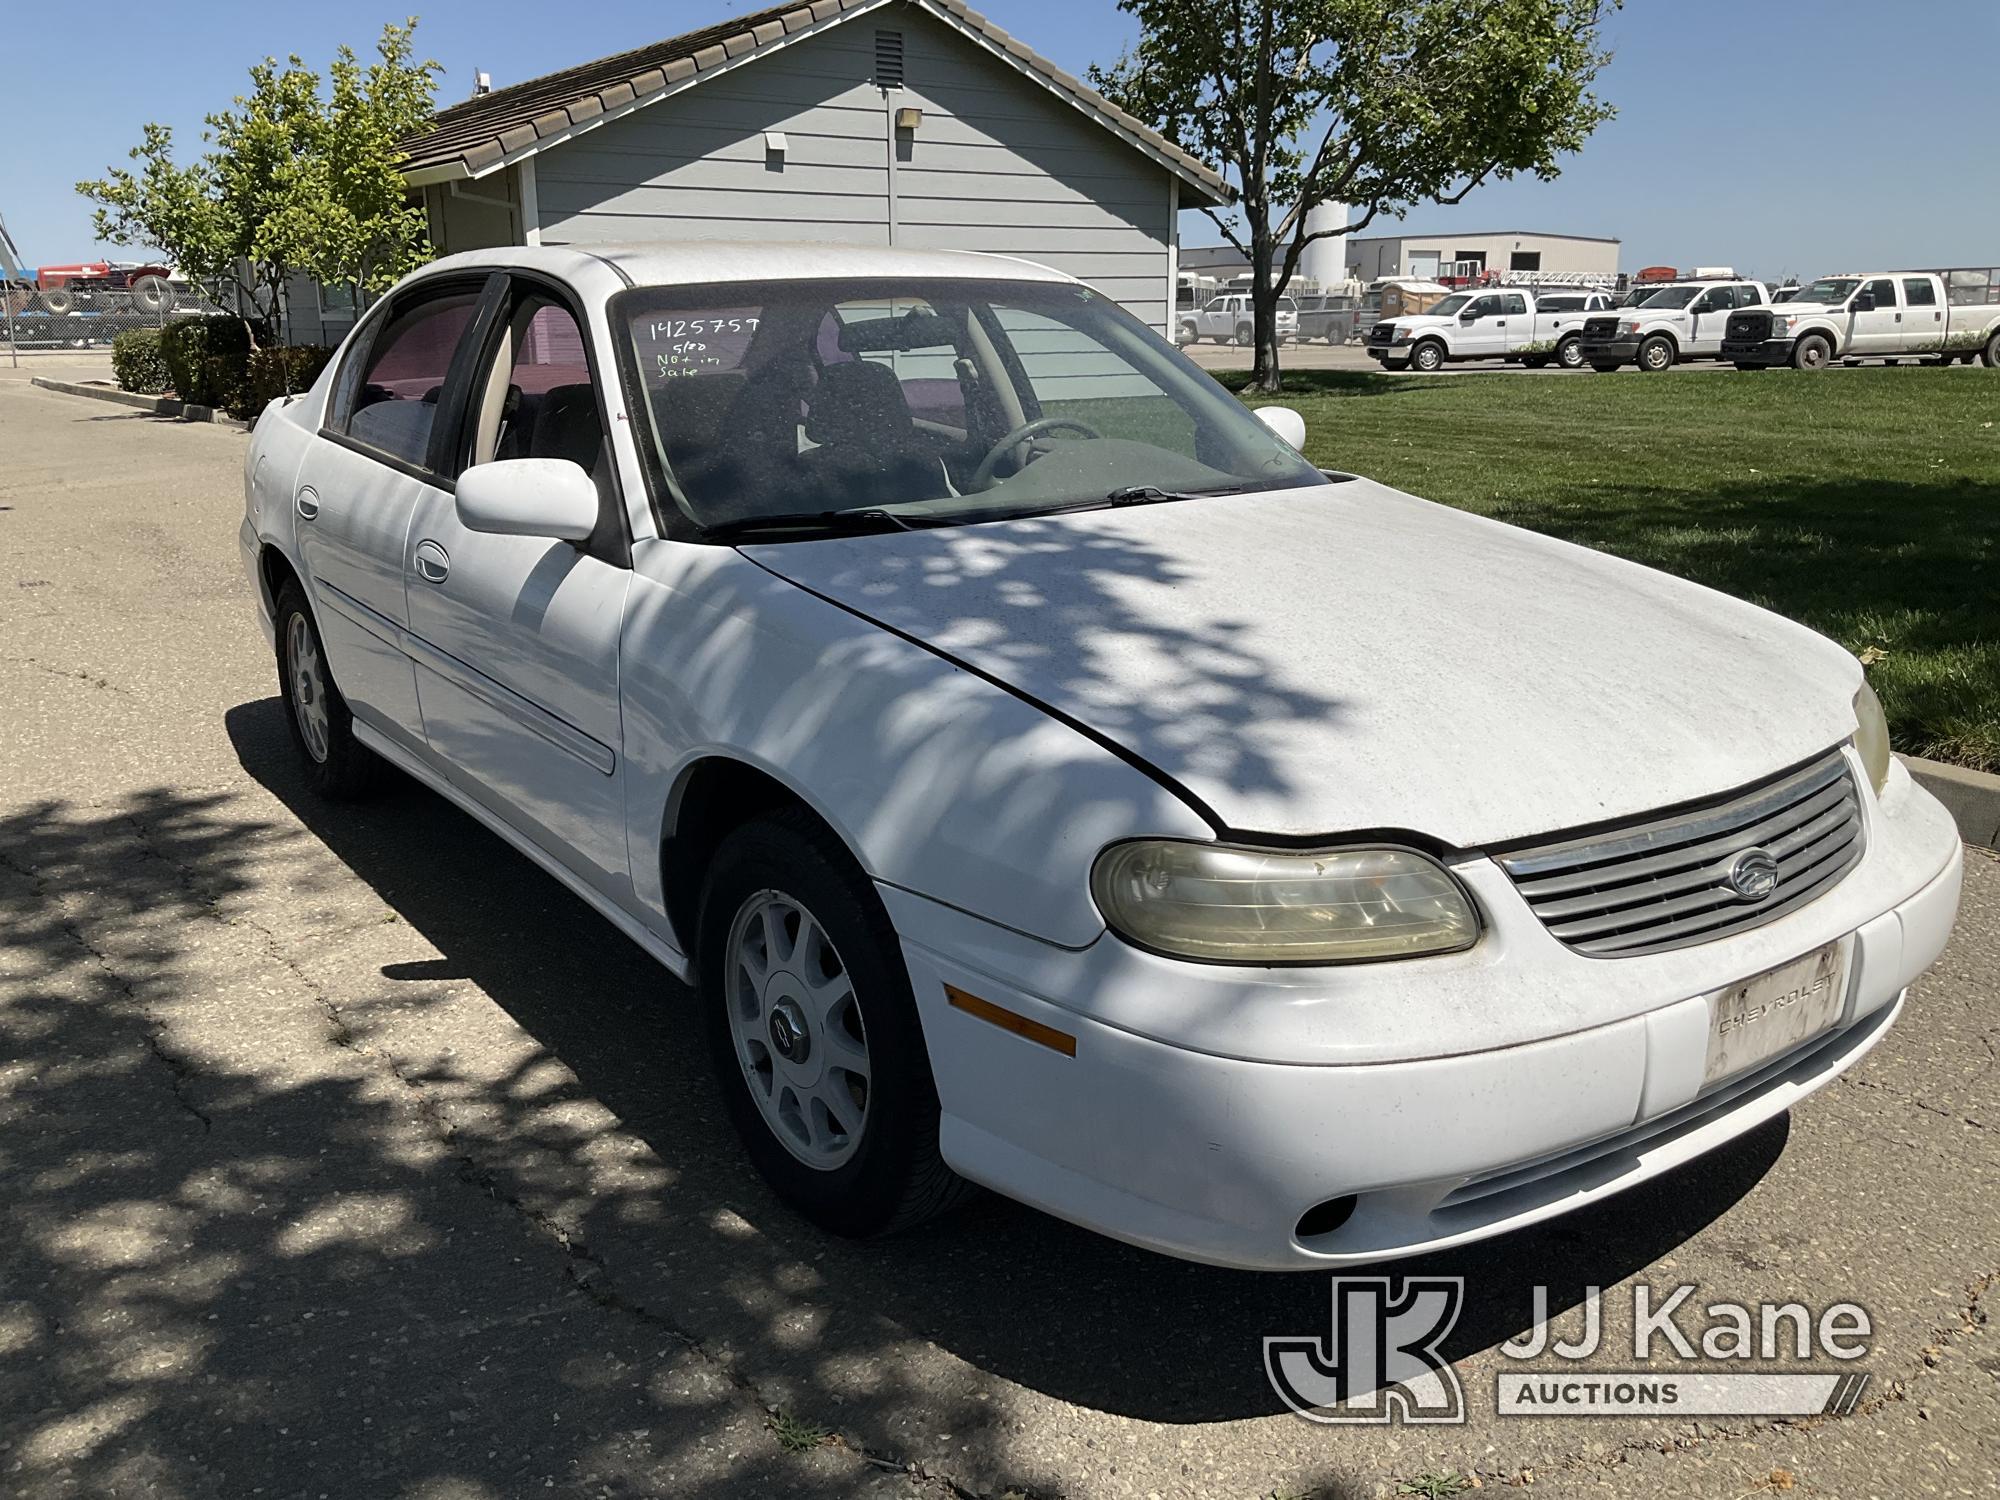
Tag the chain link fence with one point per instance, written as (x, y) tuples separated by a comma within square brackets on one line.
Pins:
[(90, 314)]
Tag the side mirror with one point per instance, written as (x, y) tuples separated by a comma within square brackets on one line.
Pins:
[(1468, 316), (1865, 302), (1286, 423), (549, 497)]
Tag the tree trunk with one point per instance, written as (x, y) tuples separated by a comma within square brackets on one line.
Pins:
[(1265, 378)]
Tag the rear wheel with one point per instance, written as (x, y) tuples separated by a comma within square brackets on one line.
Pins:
[(814, 1032), (1569, 353), (1656, 354), (1244, 335), (337, 765), (1427, 357), (1813, 352), (1990, 355)]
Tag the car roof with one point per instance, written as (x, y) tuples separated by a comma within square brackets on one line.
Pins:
[(701, 262)]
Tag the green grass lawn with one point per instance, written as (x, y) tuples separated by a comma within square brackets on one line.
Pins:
[(1865, 503)]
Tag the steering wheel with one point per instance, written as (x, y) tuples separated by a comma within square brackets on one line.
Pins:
[(983, 475)]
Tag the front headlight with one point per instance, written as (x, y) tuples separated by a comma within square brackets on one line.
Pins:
[(1632, 327), (1402, 336), (1871, 736), (1264, 906)]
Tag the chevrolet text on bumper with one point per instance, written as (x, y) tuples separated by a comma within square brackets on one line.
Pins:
[(1012, 791)]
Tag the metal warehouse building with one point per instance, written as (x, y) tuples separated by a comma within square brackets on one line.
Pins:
[(1435, 255), (886, 122)]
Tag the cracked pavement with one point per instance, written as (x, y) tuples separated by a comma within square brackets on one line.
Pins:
[(342, 1153)]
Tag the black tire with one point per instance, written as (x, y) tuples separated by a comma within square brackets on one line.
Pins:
[(1428, 357), (342, 769), (1396, 366), (1752, 369), (1812, 352), (1246, 334), (1656, 354), (1569, 353), (1990, 355), (1604, 369), (58, 302), (152, 294), (895, 1177), (1190, 334), (1535, 361)]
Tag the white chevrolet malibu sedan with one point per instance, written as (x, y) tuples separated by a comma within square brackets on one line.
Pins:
[(1049, 780)]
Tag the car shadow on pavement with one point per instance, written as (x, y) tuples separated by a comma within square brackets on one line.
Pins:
[(1017, 1294)]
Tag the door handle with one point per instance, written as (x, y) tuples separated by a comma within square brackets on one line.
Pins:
[(432, 562), (308, 505)]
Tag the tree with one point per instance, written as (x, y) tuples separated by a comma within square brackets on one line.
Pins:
[(297, 177), (1381, 104)]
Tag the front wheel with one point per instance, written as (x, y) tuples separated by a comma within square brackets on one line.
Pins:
[(1604, 369), (1813, 352), (1190, 334), (814, 1032), (1569, 353), (337, 765), (1655, 355), (1427, 357)]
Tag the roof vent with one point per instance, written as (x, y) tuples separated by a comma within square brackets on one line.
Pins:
[(482, 83), (889, 59)]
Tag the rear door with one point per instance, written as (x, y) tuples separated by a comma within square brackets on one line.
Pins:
[(375, 463), (1878, 329), (1923, 313), (516, 637)]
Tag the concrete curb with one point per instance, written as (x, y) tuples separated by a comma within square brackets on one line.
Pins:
[(1971, 797), (159, 406)]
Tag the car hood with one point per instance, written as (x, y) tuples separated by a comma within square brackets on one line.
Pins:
[(1345, 658)]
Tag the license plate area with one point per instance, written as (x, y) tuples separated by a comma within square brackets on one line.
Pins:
[(1755, 1019)]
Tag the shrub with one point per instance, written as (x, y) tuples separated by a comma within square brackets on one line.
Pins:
[(287, 370), (208, 358), (137, 362)]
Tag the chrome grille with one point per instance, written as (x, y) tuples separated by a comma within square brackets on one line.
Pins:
[(1665, 882)]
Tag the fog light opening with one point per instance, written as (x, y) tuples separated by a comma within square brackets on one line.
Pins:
[(1324, 1218)]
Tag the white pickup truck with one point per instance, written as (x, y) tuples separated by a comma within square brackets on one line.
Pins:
[(1228, 320), (1676, 321), (1506, 323), (1891, 315)]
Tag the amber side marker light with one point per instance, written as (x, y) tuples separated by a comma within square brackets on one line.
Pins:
[(1014, 1021)]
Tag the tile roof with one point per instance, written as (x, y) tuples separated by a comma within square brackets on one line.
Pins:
[(479, 134)]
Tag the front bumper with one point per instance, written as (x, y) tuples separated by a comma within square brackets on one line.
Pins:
[(1758, 351), (1212, 1151), (1619, 351)]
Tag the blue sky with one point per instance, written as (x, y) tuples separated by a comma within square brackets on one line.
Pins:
[(1774, 135)]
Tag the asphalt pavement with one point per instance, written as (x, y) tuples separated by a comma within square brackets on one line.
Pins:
[(342, 1153)]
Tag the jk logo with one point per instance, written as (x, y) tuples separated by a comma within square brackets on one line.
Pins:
[(1379, 1360)]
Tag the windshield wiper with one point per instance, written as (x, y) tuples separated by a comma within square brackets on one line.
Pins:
[(1152, 494), (856, 522)]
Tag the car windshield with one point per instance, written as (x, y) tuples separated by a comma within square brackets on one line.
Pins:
[(1829, 289), (792, 406), (1672, 296), (1450, 305)]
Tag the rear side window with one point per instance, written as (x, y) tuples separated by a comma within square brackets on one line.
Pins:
[(1515, 303), (395, 403), (1918, 292)]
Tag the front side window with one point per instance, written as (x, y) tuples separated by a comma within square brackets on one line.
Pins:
[(921, 403), (395, 404), (1883, 291), (538, 400)]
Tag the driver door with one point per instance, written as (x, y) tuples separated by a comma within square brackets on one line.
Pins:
[(1707, 317), (1485, 336), (1879, 329), (516, 637)]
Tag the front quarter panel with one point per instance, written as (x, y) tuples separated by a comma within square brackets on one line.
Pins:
[(940, 782)]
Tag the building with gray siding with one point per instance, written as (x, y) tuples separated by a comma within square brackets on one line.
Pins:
[(886, 122)]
